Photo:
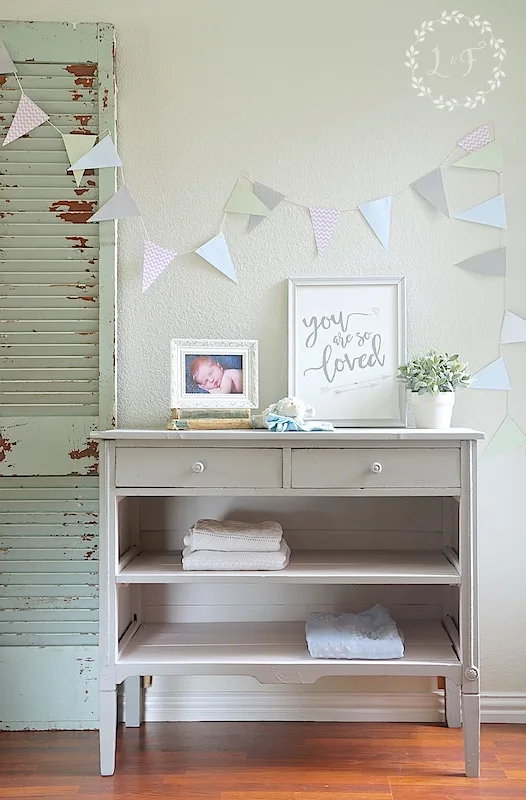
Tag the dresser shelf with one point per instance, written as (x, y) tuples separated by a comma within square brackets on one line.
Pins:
[(258, 648), (358, 567)]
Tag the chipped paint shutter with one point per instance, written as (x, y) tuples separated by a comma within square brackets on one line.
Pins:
[(57, 281)]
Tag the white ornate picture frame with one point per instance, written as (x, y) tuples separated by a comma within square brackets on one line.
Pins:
[(238, 361), (347, 337)]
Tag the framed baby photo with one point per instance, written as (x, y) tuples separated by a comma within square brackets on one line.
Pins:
[(214, 373), (347, 337)]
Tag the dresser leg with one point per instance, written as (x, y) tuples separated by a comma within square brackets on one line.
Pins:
[(452, 704), (107, 730), (132, 691), (471, 726)]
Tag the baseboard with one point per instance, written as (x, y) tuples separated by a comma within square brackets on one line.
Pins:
[(51, 725), (321, 707)]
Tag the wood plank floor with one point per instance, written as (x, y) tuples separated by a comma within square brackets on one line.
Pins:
[(266, 761)]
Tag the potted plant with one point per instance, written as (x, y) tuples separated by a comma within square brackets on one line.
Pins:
[(433, 380)]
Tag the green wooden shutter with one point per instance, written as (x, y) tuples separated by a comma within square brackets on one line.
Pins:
[(57, 293)]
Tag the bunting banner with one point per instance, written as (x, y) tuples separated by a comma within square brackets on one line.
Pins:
[(378, 215), (513, 329), (431, 188), (491, 212), (507, 437), (216, 252), (492, 262), (28, 116), (488, 157), (244, 201), (324, 223), (494, 376), (77, 145), (6, 63), (120, 206), (269, 197), (155, 261), (102, 155), (478, 138)]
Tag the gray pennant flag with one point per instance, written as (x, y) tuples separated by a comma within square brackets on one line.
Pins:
[(431, 188), (6, 63), (493, 262), (268, 197)]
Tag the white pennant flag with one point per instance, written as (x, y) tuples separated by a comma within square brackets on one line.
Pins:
[(378, 215), (102, 155), (324, 222), (28, 116), (156, 259), (216, 252), (120, 206), (77, 145), (513, 329)]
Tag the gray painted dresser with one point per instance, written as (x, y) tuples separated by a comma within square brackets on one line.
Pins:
[(350, 463)]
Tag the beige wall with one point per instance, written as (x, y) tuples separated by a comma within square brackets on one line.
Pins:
[(313, 99)]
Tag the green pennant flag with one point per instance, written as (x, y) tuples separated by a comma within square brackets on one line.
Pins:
[(77, 145), (488, 157), (244, 201), (507, 437)]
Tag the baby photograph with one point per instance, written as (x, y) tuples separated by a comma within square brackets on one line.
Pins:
[(214, 374)]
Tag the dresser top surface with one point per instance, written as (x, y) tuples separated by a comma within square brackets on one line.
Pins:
[(288, 439)]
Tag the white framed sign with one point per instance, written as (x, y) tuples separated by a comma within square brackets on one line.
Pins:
[(347, 337)]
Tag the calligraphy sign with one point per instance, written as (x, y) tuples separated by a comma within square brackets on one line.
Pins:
[(346, 341)]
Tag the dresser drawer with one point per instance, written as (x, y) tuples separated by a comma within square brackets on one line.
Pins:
[(196, 467), (370, 468)]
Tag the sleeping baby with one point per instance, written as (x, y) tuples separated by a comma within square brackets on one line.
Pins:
[(213, 378)]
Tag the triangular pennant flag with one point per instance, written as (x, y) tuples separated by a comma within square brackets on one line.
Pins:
[(513, 329), (119, 206), (493, 262), (324, 222), (216, 252), (77, 145), (102, 155), (491, 212), (507, 437), (431, 188), (6, 62), (156, 259), (378, 215), (244, 201), (478, 138), (27, 117), (494, 376), (488, 157), (269, 197)]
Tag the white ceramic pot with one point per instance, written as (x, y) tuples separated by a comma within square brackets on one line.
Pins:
[(433, 410)]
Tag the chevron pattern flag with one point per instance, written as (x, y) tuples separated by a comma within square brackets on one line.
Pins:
[(478, 138), (324, 222), (27, 116), (156, 259)]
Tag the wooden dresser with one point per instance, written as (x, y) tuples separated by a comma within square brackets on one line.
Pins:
[(349, 463)]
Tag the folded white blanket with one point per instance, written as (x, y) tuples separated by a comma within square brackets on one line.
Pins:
[(232, 536), (217, 561), (370, 635)]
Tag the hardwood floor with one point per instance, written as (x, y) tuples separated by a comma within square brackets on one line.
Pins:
[(265, 761)]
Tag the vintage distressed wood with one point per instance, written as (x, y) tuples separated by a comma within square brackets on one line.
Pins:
[(57, 275), (443, 642)]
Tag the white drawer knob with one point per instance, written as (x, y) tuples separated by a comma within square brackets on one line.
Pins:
[(198, 467), (376, 467)]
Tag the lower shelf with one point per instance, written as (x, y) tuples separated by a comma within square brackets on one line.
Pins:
[(274, 652)]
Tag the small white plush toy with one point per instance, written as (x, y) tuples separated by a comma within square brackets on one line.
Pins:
[(292, 407)]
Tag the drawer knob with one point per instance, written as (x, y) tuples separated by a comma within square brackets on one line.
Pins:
[(198, 467), (376, 467)]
